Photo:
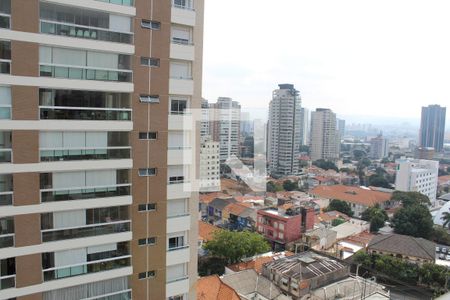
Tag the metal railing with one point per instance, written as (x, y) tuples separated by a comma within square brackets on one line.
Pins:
[(84, 113), (85, 154), (49, 235), (87, 268), (177, 279), (84, 73), (85, 32), (85, 193)]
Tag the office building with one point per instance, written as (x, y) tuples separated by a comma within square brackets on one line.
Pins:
[(324, 135), (341, 127), (432, 127), (378, 147), (284, 131), (92, 175), (417, 175), (226, 126)]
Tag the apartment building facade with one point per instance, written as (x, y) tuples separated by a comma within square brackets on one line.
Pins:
[(325, 141), (378, 147), (432, 127), (94, 184), (284, 131)]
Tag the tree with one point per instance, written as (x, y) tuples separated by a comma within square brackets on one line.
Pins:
[(440, 236), (272, 187), (414, 220), (446, 218), (340, 206), (234, 245), (325, 164), (376, 216), (289, 185), (378, 181), (410, 198), (337, 222), (359, 154)]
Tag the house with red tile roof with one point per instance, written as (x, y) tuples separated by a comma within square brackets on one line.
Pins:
[(212, 288)]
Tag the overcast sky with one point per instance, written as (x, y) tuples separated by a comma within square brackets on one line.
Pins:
[(358, 57)]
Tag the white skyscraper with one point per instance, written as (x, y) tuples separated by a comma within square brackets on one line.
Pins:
[(284, 130), (306, 125), (417, 175), (324, 135), (209, 166)]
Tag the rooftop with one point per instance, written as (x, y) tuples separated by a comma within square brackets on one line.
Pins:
[(211, 287), (405, 245), (206, 231), (256, 263), (352, 194)]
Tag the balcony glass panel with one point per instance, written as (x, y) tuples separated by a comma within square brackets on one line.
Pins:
[(86, 193), (5, 13), (7, 282), (84, 73), (85, 154), (50, 235), (7, 273), (92, 114), (119, 2), (87, 268)]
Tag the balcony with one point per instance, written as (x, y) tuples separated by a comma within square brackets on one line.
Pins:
[(119, 2), (85, 73), (7, 240), (5, 155), (182, 49), (179, 156), (7, 282), (6, 198), (5, 112), (5, 66), (183, 14), (87, 268), (177, 286), (85, 154), (84, 113), (181, 86), (5, 20), (85, 193), (85, 32), (178, 255), (50, 235), (178, 223)]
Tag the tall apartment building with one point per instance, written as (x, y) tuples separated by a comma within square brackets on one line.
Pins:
[(340, 123), (306, 126), (417, 175), (324, 135), (205, 122), (284, 131), (92, 197), (432, 127), (226, 126), (378, 147), (209, 166)]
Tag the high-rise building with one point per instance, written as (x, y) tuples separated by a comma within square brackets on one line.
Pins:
[(209, 166), (341, 127), (417, 175), (324, 135), (432, 127), (306, 126), (284, 131), (205, 123), (226, 126), (92, 198), (378, 147)]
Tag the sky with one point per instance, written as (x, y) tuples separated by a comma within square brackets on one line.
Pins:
[(368, 60)]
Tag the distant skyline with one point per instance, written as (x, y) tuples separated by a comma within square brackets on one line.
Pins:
[(361, 59)]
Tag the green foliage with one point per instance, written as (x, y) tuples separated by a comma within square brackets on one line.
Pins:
[(232, 246), (359, 154), (446, 218), (337, 222), (211, 265), (379, 181), (340, 206), (304, 148), (289, 185), (410, 198), (440, 236), (376, 216), (326, 165), (272, 187), (413, 220)]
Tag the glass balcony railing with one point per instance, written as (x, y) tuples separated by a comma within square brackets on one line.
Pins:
[(5, 155), (86, 193), (177, 248), (85, 73), (5, 21), (7, 282), (119, 2), (84, 113), (50, 235), (5, 66), (7, 240), (5, 112), (87, 268), (6, 198), (122, 295), (85, 32), (86, 154)]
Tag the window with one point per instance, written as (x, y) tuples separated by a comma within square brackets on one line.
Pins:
[(149, 241), (178, 106), (147, 172), (149, 274), (149, 98), (181, 69), (147, 207), (176, 242), (148, 135), (151, 24), (5, 102), (150, 61), (181, 35), (177, 297)]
